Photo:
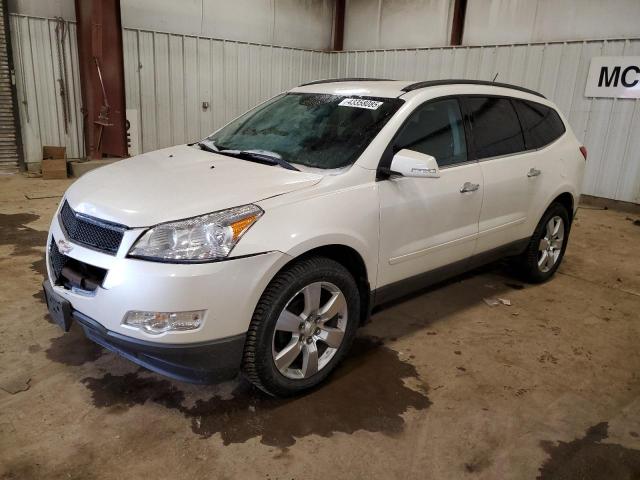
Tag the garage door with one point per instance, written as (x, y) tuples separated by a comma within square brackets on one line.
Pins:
[(8, 129)]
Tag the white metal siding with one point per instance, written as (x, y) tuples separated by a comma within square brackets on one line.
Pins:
[(168, 76), (37, 70), (427, 23), (293, 23), (397, 24), (517, 21)]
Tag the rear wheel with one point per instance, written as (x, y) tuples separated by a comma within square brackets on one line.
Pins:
[(302, 327), (546, 248)]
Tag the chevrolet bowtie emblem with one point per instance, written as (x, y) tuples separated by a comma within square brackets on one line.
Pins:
[(64, 247)]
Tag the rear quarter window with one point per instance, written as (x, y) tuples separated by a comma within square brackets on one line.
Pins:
[(541, 125)]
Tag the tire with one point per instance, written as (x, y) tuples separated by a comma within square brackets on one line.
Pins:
[(270, 360), (542, 258)]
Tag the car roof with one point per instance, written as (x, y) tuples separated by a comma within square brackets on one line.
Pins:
[(375, 87)]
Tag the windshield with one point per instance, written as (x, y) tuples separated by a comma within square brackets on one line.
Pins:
[(315, 130)]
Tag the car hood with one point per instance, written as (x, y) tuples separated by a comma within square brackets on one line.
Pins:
[(178, 182)]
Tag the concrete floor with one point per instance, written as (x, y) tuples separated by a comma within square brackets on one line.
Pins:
[(438, 386)]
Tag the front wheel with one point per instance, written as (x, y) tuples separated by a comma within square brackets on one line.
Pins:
[(546, 248), (302, 327)]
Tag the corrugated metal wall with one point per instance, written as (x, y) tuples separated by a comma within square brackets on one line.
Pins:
[(168, 76), (608, 127), (9, 141), (37, 69)]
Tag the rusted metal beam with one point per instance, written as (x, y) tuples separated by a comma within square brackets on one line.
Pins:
[(102, 77), (338, 25), (457, 25)]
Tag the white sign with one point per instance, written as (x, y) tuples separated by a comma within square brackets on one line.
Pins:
[(614, 77), (360, 103)]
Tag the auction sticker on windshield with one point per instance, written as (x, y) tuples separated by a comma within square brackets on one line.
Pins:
[(360, 103)]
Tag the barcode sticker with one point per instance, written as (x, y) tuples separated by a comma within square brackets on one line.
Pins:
[(360, 103)]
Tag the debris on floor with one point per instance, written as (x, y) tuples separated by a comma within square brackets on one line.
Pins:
[(40, 197), (492, 302), (592, 207)]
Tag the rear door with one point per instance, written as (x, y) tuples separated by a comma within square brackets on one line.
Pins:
[(509, 174), (542, 128), (426, 223)]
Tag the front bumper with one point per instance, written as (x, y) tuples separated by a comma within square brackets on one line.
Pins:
[(204, 362), (228, 291)]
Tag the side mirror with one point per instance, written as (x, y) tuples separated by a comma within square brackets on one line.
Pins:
[(414, 164)]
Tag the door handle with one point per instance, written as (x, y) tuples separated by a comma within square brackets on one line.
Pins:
[(533, 172), (469, 187)]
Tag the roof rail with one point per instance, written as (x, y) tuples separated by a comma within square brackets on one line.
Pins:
[(436, 83), (336, 80)]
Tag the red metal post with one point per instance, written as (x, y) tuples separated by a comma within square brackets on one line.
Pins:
[(338, 25), (102, 77), (457, 26)]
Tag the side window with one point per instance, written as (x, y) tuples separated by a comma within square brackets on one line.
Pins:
[(436, 129), (541, 125), (495, 126)]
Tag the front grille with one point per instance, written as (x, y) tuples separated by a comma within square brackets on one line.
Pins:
[(91, 232), (57, 261), (69, 272)]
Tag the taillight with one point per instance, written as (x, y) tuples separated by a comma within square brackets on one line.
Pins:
[(583, 151)]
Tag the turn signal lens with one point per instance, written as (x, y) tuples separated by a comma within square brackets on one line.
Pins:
[(242, 226), (160, 322)]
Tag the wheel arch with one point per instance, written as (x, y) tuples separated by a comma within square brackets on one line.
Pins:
[(565, 196), (349, 258), (565, 199)]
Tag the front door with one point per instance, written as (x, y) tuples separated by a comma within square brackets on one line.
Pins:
[(426, 223)]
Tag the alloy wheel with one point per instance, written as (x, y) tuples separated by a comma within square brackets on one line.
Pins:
[(550, 245), (310, 330)]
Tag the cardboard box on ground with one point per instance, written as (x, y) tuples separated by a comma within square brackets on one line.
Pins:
[(54, 162)]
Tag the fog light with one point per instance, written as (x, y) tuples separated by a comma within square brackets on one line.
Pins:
[(160, 322)]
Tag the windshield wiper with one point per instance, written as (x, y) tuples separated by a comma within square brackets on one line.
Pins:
[(208, 147), (260, 157)]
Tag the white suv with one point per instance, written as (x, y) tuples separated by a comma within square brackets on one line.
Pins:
[(263, 247)]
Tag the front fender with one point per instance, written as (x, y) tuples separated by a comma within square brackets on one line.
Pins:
[(349, 216)]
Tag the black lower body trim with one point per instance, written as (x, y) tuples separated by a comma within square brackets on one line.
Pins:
[(204, 362), (404, 287)]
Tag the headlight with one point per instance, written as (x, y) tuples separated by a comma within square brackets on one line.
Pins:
[(198, 239)]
